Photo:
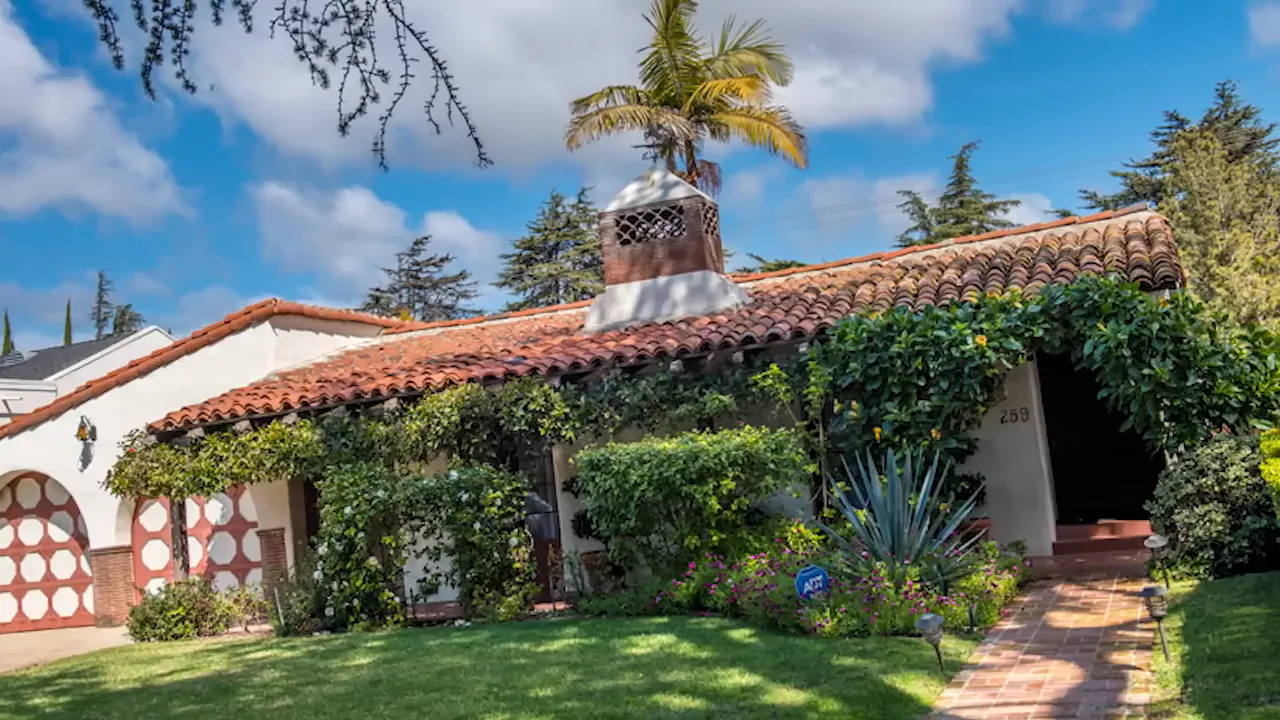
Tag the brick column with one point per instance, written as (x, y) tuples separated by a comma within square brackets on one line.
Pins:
[(113, 588), (275, 563)]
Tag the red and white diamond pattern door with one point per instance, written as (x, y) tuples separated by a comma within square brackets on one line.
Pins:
[(45, 581), (152, 545), (222, 538)]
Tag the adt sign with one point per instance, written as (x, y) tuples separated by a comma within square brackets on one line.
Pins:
[(811, 581)]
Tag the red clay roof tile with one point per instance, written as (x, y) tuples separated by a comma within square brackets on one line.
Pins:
[(789, 304)]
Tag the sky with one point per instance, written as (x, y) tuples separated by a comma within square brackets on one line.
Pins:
[(196, 205)]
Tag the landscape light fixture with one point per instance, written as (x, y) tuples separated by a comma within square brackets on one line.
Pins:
[(1157, 544), (930, 627), (1156, 599)]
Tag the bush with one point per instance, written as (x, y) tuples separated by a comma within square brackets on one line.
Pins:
[(662, 501), (1216, 510), (1271, 465), (182, 610), (296, 606)]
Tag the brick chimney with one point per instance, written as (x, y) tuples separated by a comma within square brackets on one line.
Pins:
[(660, 238)]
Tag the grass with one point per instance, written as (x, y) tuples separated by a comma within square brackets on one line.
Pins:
[(616, 668), (1224, 639)]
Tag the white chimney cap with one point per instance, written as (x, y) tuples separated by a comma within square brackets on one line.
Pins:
[(655, 186)]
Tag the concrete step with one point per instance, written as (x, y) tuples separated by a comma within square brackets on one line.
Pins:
[(1102, 536)]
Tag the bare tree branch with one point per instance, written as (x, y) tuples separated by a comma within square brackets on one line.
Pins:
[(328, 36)]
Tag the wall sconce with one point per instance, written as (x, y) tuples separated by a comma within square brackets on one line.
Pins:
[(1157, 602), (930, 626), (86, 431)]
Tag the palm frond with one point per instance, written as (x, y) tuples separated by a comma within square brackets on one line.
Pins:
[(771, 128), (673, 62), (604, 121), (728, 92), (610, 96), (748, 50)]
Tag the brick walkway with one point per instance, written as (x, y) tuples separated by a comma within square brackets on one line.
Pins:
[(1073, 648)]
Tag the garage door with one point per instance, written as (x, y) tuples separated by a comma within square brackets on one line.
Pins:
[(45, 581)]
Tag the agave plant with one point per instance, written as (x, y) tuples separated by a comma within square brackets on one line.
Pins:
[(899, 520)]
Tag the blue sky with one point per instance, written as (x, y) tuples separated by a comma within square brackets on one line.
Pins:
[(197, 205)]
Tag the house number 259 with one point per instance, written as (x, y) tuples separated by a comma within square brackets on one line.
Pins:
[(1014, 415)]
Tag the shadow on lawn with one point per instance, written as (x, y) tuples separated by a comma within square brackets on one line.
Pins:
[(642, 668), (1227, 639)]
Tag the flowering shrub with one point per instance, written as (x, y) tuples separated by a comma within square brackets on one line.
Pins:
[(760, 589), (182, 610), (478, 514)]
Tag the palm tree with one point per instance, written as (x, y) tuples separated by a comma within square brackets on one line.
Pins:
[(691, 91)]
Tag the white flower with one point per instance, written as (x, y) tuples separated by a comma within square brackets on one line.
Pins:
[(316, 574), (328, 612), (323, 549), (476, 526), (347, 510), (514, 541), (453, 474), (463, 497)]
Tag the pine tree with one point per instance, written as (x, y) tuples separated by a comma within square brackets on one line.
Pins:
[(764, 265), (66, 326), (418, 285), (6, 346), (101, 313), (126, 320), (962, 209), (1237, 126), (1227, 214), (558, 260)]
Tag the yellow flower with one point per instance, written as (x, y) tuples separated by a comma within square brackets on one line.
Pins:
[(877, 431), (935, 434), (1164, 302), (981, 340)]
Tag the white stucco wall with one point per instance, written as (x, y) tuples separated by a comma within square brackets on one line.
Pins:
[(1013, 455), (418, 567), (19, 397), (235, 361)]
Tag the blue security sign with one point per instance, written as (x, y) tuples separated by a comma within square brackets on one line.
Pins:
[(811, 581)]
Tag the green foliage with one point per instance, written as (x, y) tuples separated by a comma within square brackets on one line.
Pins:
[(419, 287), (360, 547), (660, 501), (475, 515), (660, 402), (297, 604), (962, 209), (66, 327), (1216, 510), (1270, 448), (182, 610), (558, 260), (900, 522), (765, 265), (6, 345)]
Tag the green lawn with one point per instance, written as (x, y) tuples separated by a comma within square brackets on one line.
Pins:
[(630, 668), (1225, 641)]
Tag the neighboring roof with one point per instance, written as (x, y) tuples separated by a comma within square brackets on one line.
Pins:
[(786, 305), (43, 364), (235, 322)]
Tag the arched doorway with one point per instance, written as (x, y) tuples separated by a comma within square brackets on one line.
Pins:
[(45, 580), (220, 534)]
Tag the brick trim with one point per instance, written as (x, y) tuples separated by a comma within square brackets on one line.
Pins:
[(113, 590)]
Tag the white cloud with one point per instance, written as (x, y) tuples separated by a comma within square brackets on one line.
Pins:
[(857, 62), (345, 237), (62, 146), (1035, 208), (141, 284), (1264, 22), (1118, 14)]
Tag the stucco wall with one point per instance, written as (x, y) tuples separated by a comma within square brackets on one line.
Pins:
[(1013, 455), (140, 344), (51, 448), (19, 397)]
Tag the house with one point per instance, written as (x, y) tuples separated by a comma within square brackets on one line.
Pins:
[(667, 298), (29, 380)]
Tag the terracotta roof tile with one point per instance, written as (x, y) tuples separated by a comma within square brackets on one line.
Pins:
[(790, 304), (231, 324)]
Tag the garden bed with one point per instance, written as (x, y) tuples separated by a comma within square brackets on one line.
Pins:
[(628, 668)]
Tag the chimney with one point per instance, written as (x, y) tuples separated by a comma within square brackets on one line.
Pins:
[(660, 238)]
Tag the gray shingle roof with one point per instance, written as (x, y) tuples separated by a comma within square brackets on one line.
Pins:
[(41, 364)]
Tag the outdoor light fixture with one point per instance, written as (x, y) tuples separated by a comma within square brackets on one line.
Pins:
[(85, 431), (973, 617), (1157, 602), (1156, 544), (930, 626)]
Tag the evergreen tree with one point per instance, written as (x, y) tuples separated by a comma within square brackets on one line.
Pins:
[(418, 288), (1237, 126), (102, 311), (126, 320), (962, 209), (1227, 214), (558, 260), (6, 346), (764, 265), (66, 326)]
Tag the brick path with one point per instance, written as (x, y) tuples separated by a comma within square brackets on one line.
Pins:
[(1073, 648)]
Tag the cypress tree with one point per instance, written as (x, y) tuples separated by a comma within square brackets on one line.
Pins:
[(66, 325), (6, 346)]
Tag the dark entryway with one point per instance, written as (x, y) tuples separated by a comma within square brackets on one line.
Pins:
[(1099, 472)]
